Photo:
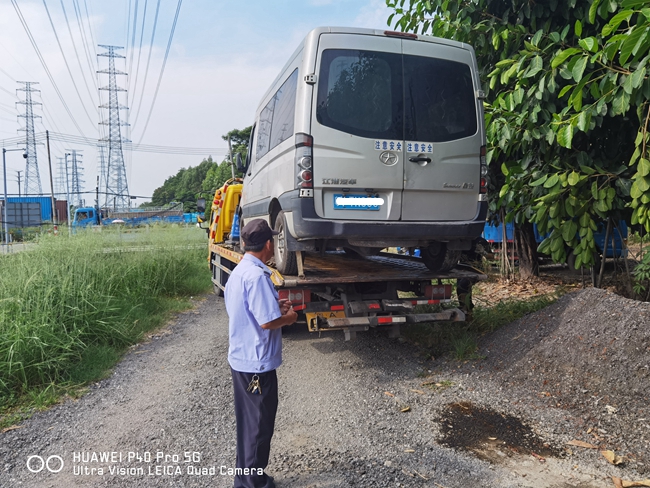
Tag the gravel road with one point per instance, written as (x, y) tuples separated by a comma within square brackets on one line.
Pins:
[(367, 413)]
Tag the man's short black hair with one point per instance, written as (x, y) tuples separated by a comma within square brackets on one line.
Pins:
[(254, 248)]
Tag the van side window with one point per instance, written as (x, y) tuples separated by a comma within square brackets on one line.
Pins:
[(264, 130), (277, 118), (285, 110), (249, 153), (360, 92), (439, 99)]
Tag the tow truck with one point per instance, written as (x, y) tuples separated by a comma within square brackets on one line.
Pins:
[(337, 290)]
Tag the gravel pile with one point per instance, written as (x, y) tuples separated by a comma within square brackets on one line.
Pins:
[(368, 413), (588, 355)]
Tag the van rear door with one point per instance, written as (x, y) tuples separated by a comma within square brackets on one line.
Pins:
[(443, 136), (358, 128)]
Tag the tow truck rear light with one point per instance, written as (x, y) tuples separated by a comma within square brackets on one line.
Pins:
[(437, 292), (304, 163), (296, 296)]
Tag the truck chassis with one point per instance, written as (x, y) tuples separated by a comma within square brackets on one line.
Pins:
[(337, 291)]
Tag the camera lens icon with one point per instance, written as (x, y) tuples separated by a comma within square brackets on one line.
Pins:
[(36, 464)]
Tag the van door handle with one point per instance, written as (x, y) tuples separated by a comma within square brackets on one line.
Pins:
[(419, 159)]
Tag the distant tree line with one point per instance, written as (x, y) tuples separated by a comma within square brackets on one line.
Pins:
[(189, 184)]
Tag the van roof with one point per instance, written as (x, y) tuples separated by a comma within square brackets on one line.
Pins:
[(316, 32), (382, 32)]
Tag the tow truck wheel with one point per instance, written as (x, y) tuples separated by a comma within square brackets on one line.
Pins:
[(437, 257), (285, 260)]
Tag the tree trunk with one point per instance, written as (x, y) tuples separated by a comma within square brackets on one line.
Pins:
[(527, 247)]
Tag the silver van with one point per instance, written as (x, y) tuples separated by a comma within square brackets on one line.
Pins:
[(371, 139)]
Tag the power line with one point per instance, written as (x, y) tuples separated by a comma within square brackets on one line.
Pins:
[(137, 65), (65, 60), (44, 64), (84, 38), (74, 46), (135, 21), (8, 75), (151, 148), (162, 70), (146, 72)]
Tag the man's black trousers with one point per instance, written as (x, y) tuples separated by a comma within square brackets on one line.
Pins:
[(255, 414)]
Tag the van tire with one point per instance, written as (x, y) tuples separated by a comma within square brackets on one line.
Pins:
[(437, 257), (285, 260)]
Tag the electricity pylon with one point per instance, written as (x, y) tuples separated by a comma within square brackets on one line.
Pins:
[(117, 189), (32, 177)]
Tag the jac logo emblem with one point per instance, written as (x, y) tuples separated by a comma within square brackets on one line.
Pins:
[(388, 158)]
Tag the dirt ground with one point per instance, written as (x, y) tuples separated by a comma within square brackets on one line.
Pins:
[(588, 354), (548, 394)]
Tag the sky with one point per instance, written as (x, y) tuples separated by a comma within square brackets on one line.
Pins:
[(222, 58)]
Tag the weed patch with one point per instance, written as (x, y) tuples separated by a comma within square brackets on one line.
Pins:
[(71, 306), (461, 338)]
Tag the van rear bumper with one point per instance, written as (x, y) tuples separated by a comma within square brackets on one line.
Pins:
[(308, 225)]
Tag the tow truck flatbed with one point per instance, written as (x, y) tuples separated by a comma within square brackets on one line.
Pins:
[(339, 267)]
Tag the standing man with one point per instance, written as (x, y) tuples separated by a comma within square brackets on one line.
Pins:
[(255, 318)]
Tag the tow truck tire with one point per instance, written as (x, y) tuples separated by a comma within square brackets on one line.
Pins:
[(285, 260), (437, 257)]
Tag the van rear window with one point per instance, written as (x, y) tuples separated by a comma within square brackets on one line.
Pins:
[(360, 93), (390, 96), (439, 99)]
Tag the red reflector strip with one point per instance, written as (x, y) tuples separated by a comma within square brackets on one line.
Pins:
[(374, 306), (390, 320), (337, 307), (425, 302)]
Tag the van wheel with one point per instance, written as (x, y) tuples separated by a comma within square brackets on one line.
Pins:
[(285, 260), (437, 257)]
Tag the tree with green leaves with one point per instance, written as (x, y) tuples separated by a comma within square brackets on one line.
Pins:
[(567, 111), (185, 186), (218, 175)]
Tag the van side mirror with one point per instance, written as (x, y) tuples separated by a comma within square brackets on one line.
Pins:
[(238, 163), (200, 205)]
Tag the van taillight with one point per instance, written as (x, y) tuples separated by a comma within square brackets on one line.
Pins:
[(304, 164), (484, 170)]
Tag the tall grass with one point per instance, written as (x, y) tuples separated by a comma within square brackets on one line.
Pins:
[(70, 296)]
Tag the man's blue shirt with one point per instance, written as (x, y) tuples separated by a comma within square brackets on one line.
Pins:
[(251, 300)]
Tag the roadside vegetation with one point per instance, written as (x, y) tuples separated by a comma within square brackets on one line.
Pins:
[(567, 109), (71, 306)]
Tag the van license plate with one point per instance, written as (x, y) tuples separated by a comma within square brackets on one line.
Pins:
[(357, 202)]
